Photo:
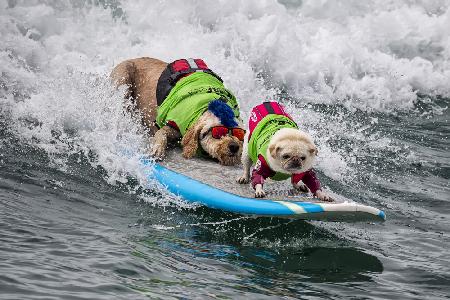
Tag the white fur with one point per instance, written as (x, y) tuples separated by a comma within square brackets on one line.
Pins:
[(246, 162), (296, 141), (290, 141), (211, 122)]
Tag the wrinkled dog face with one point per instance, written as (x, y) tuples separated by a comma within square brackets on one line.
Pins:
[(291, 151), (227, 149)]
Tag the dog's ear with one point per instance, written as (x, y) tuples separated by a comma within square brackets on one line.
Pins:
[(190, 140), (313, 151), (273, 150)]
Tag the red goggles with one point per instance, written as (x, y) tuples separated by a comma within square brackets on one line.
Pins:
[(218, 132)]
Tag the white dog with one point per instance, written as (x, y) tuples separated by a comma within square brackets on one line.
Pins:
[(279, 150)]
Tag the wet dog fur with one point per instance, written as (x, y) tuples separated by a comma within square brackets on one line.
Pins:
[(140, 76)]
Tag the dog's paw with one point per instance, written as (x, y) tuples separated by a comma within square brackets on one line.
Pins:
[(243, 179), (158, 152), (323, 196), (301, 187), (259, 192)]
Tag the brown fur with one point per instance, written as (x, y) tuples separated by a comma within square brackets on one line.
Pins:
[(141, 76), (190, 139), (220, 151)]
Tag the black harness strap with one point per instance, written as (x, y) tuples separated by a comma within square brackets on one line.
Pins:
[(269, 108), (170, 76)]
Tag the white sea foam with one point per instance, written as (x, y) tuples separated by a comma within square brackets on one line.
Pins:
[(55, 58)]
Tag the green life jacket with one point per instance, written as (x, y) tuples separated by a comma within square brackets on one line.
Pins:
[(189, 99), (261, 135)]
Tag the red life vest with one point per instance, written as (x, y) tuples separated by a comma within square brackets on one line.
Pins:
[(177, 70), (260, 111)]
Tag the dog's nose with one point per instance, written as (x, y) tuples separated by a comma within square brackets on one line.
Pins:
[(295, 162), (234, 147)]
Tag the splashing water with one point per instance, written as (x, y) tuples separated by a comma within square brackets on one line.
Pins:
[(369, 81)]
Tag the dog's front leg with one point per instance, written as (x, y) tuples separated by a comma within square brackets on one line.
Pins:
[(246, 164), (162, 137), (323, 196), (259, 191), (257, 183), (300, 186)]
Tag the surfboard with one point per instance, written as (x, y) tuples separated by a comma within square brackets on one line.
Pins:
[(212, 185)]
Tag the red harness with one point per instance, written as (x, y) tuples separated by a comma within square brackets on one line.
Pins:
[(177, 70), (260, 111)]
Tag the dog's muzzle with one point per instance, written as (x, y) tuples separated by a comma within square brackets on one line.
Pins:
[(233, 147), (294, 163)]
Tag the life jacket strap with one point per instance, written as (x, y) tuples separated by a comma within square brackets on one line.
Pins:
[(259, 112), (177, 70), (172, 124), (183, 67)]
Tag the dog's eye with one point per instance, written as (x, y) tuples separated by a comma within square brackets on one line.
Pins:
[(286, 156), (303, 158)]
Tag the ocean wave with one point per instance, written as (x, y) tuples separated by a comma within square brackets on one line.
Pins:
[(55, 58)]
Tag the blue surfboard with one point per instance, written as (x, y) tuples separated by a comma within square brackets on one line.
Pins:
[(294, 207)]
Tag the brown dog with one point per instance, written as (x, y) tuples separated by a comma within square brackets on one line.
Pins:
[(215, 128)]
